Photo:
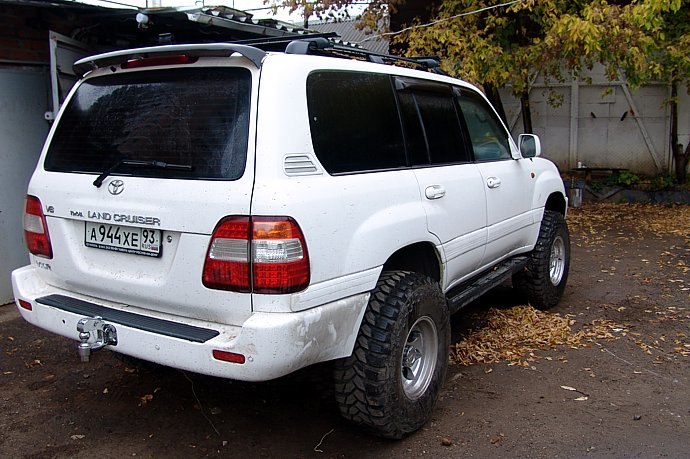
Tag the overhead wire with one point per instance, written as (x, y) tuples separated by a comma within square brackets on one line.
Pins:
[(438, 21)]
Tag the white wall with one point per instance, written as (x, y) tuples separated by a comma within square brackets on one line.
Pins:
[(602, 124), (23, 101)]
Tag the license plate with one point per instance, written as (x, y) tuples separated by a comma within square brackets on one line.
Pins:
[(127, 239)]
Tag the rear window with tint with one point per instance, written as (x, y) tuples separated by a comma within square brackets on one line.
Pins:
[(196, 116), (354, 121)]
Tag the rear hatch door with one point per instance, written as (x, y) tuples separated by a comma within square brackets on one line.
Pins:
[(136, 174)]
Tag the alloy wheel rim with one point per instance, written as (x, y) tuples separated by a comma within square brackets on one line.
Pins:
[(419, 358), (557, 260)]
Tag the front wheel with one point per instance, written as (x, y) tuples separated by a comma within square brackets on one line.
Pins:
[(546, 274), (391, 381)]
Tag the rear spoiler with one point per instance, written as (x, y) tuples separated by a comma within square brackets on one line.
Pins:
[(83, 66)]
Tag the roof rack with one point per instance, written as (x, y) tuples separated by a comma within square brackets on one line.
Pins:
[(325, 44), (280, 43), (328, 44)]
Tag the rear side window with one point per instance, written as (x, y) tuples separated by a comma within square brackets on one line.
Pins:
[(432, 126), (197, 117), (354, 121), (489, 138)]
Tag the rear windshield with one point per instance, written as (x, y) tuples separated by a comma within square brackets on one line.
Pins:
[(196, 117)]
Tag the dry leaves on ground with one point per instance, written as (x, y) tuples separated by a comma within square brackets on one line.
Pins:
[(661, 220), (514, 334), (598, 224)]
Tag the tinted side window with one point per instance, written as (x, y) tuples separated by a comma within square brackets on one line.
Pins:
[(415, 137), (442, 128), (354, 121), (432, 127), (489, 138), (194, 116)]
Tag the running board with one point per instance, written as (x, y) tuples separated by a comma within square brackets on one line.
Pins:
[(463, 295)]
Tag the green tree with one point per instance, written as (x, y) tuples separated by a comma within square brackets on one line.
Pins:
[(493, 47), (644, 40)]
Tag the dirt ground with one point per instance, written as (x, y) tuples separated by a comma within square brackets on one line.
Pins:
[(625, 393)]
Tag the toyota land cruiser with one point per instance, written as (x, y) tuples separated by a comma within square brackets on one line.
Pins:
[(241, 213)]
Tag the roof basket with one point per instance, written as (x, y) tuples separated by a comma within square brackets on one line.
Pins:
[(326, 45), (330, 44)]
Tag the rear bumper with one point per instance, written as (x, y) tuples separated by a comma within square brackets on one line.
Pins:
[(273, 344)]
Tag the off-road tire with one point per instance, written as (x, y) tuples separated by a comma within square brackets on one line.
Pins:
[(379, 387), (546, 274)]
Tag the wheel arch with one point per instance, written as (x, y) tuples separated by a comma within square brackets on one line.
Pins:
[(420, 257), (556, 202)]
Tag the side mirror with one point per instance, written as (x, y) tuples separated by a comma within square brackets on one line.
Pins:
[(530, 145)]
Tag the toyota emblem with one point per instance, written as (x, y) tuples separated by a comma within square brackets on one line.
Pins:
[(116, 187)]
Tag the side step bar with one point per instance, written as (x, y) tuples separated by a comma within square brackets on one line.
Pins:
[(462, 295)]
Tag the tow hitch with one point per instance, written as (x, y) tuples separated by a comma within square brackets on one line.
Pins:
[(94, 334)]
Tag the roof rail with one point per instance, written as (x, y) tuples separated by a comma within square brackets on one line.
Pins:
[(280, 43), (307, 46), (327, 46)]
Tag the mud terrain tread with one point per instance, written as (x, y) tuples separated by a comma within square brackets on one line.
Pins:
[(534, 282), (362, 381)]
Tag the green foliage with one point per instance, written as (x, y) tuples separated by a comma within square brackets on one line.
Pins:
[(625, 178), (663, 182), (641, 41), (646, 39), (596, 185)]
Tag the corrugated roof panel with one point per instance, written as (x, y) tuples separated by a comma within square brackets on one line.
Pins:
[(349, 32)]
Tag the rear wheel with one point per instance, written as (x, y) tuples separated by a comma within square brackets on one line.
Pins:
[(392, 380), (543, 280)]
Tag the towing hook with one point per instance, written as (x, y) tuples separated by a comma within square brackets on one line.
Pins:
[(94, 334)]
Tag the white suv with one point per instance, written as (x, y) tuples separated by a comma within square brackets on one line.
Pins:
[(240, 213)]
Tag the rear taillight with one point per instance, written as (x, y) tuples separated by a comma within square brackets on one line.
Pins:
[(227, 266), (36, 229), (257, 254)]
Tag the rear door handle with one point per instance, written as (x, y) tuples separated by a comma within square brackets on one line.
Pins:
[(493, 182), (435, 192)]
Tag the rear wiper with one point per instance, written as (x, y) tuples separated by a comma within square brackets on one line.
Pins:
[(133, 162)]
